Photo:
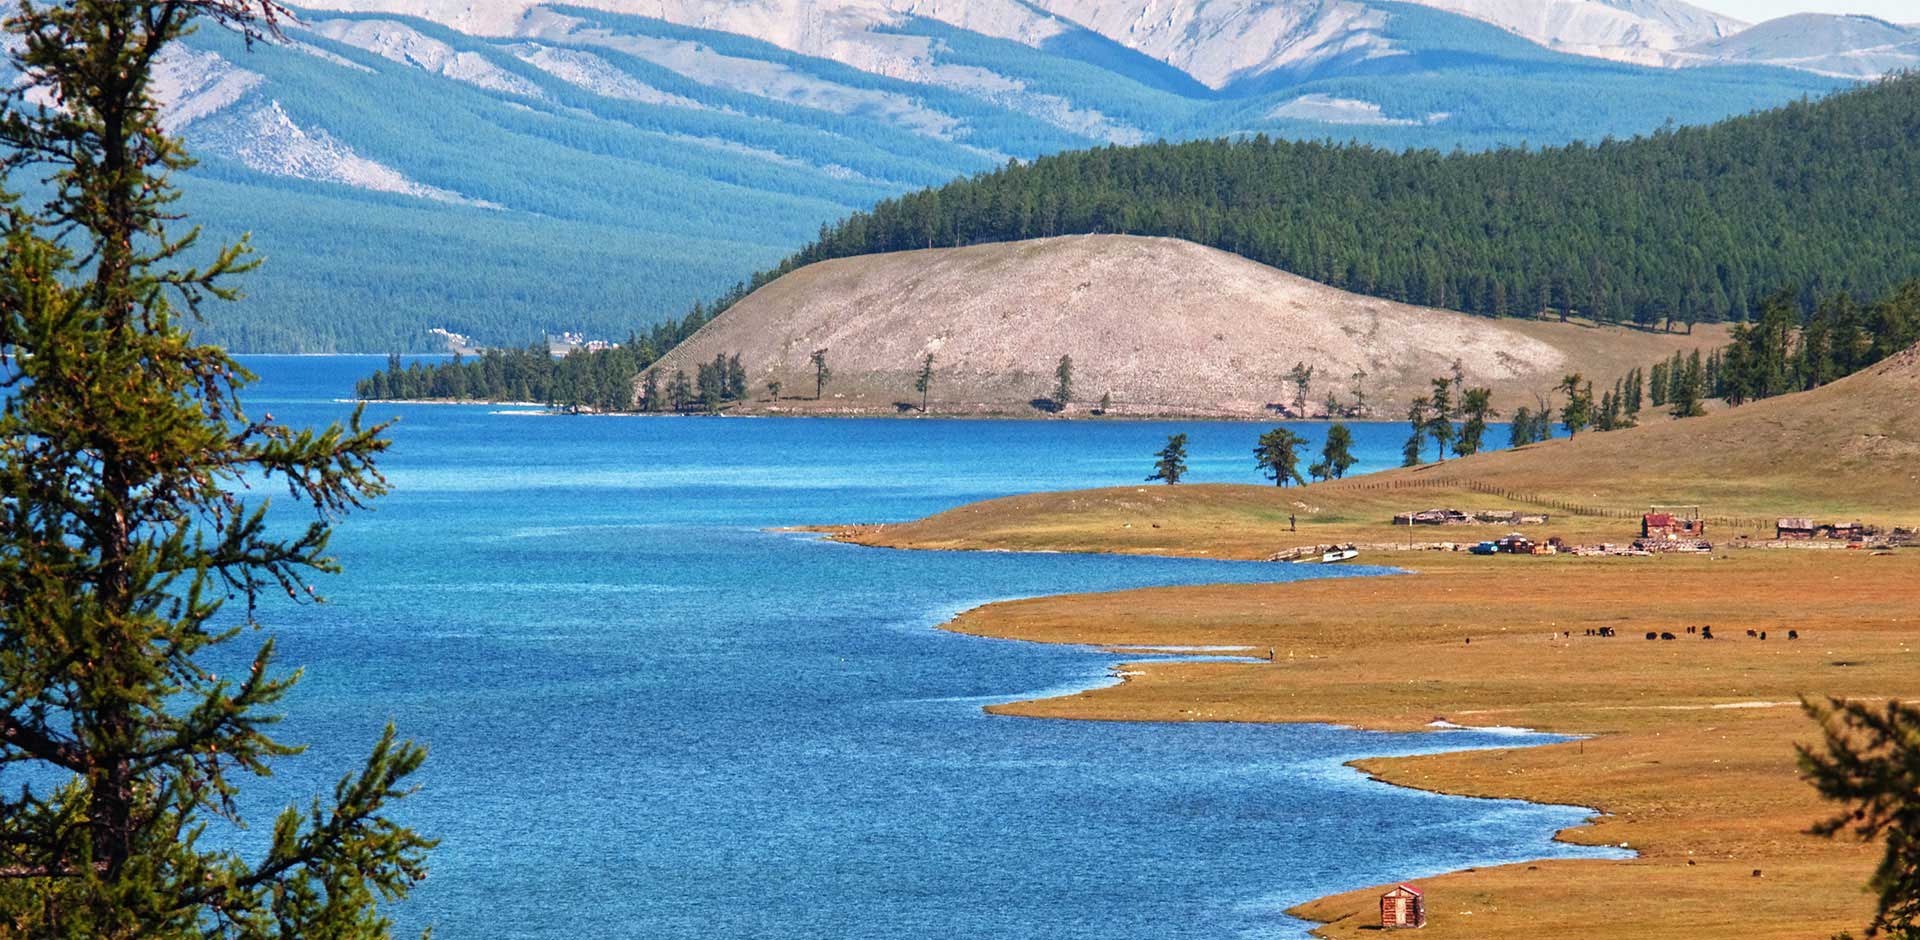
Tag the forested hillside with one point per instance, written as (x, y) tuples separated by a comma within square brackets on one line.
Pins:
[(1689, 224)]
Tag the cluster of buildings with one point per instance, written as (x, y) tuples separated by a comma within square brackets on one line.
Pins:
[(1461, 517), (1803, 530)]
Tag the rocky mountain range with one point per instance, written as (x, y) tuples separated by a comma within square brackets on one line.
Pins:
[(503, 168)]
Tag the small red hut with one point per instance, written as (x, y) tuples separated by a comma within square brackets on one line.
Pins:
[(1672, 526), (1404, 906)]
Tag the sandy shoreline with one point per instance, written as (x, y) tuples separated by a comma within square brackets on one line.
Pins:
[(1688, 759)]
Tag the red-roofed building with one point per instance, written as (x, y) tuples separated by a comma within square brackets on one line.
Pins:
[(1672, 526), (1404, 906)]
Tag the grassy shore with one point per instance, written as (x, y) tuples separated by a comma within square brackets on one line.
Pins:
[(1691, 750)]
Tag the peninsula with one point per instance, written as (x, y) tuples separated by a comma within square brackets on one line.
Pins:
[(1687, 743)]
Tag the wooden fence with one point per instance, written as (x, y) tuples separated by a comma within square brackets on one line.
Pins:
[(1567, 507)]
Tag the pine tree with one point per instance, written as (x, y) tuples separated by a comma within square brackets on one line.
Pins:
[(1063, 383), (680, 390), (736, 378), (1686, 393), (1171, 461), (1577, 413), (1301, 375), (924, 382), (1870, 764), (650, 391), (1336, 456), (1520, 432), (126, 457), (1476, 405), (1419, 413), (821, 374), (1278, 455), (1440, 423)]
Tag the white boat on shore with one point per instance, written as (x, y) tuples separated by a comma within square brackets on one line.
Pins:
[(1327, 558)]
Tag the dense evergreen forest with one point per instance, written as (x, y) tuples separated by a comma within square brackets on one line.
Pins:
[(600, 380), (1781, 351), (1687, 225)]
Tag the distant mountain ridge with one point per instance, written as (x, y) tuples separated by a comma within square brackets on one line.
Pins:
[(1846, 46), (504, 169)]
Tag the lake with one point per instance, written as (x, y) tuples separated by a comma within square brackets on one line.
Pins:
[(651, 717)]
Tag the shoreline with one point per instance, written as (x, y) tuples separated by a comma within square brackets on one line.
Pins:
[(1688, 852), (890, 414), (1121, 671)]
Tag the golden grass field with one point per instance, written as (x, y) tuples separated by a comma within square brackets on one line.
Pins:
[(1692, 749), (1690, 753)]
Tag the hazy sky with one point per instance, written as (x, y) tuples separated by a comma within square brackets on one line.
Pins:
[(1753, 11)]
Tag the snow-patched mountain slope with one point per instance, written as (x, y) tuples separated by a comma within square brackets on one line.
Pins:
[(1639, 31), (1844, 46), (220, 108), (1215, 42)]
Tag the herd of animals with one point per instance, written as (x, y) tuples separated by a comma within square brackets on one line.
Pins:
[(1705, 633)]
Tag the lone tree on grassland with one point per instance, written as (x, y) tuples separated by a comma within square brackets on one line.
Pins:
[(1172, 462), (1870, 765), (1278, 454), (924, 383), (821, 374), (1063, 383), (125, 461)]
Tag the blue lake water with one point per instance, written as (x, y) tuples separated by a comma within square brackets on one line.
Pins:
[(652, 718)]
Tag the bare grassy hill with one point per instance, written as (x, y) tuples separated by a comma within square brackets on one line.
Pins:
[(1166, 327), (1849, 448)]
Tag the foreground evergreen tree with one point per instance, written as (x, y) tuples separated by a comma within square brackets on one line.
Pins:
[(1063, 383), (124, 457), (1171, 462), (1870, 764), (1278, 454)]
